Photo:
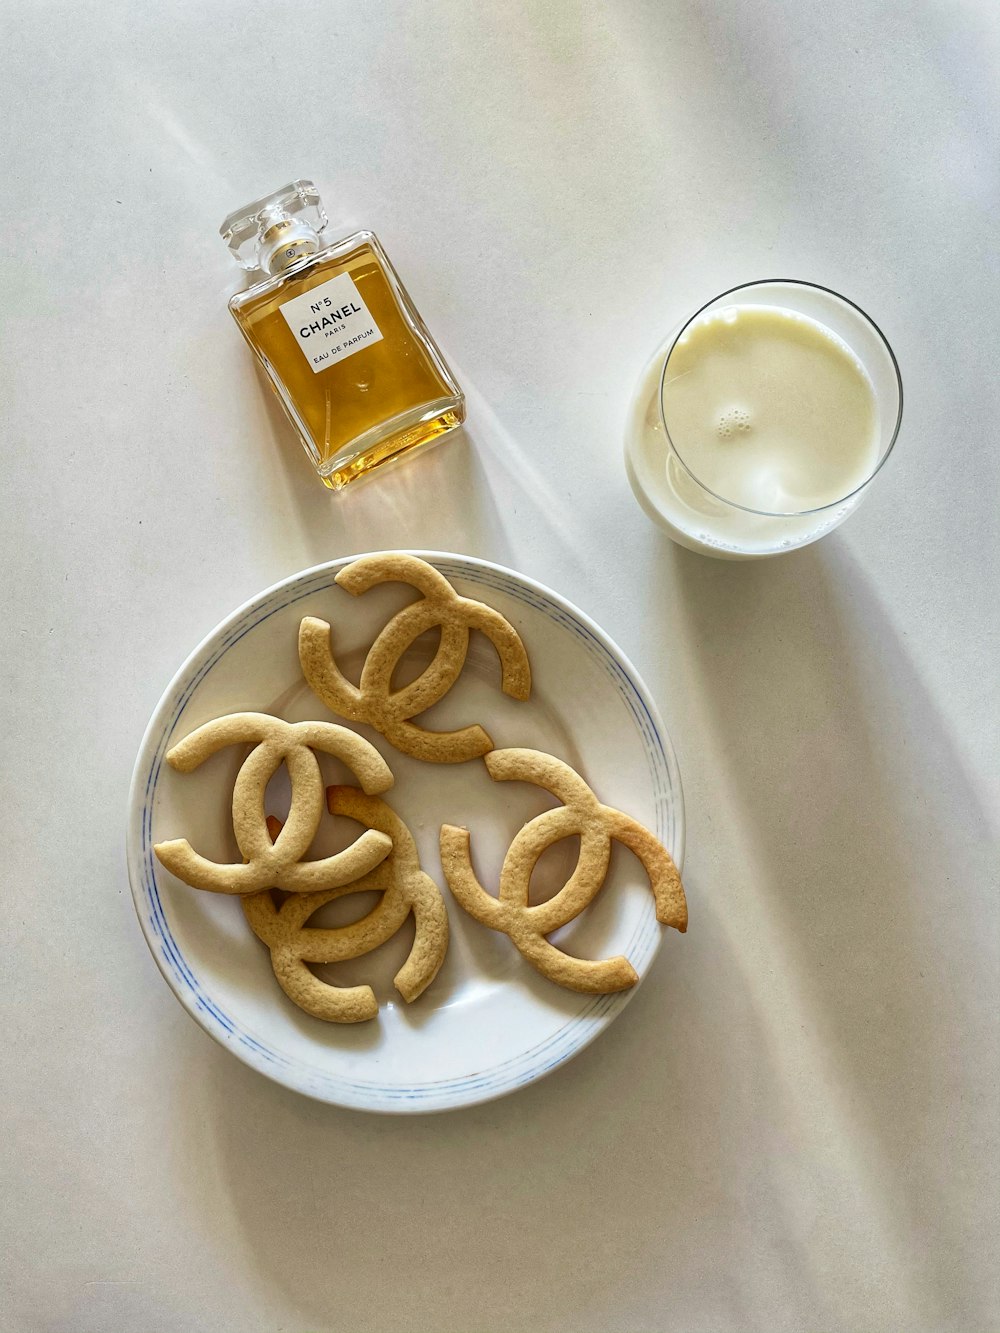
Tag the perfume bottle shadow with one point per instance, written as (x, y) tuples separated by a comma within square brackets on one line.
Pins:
[(438, 498)]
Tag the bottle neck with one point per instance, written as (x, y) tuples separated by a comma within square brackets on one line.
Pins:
[(285, 240)]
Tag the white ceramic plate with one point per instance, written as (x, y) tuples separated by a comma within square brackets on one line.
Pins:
[(489, 1023)]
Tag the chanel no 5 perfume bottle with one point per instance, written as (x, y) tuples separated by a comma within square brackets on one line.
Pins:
[(359, 376)]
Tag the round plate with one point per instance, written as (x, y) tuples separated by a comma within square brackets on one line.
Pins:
[(488, 1023)]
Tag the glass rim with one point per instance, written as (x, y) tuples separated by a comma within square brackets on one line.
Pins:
[(783, 513)]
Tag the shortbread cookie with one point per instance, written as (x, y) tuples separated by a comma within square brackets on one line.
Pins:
[(278, 865), (580, 814), (388, 710), (405, 889)]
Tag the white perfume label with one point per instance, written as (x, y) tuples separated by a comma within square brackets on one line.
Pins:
[(331, 322)]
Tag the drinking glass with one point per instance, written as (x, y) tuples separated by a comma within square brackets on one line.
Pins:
[(716, 516)]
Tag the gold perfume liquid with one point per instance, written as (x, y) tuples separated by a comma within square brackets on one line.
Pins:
[(356, 370)]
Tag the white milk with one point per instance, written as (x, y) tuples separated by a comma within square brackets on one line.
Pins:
[(767, 408)]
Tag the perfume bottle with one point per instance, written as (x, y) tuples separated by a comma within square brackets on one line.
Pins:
[(361, 379)]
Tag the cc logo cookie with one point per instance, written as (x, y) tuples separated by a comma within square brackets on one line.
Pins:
[(374, 701), (268, 864), (404, 888), (596, 825)]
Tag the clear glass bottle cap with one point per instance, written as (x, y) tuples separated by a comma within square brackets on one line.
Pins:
[(274, 231)]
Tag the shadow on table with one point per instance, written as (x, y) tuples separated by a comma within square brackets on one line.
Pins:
[(863, 824), (559, 1206)]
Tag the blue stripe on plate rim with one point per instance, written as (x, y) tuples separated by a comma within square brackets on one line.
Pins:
[(443, 1094)]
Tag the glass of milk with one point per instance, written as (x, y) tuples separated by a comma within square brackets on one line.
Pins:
[(760, 423)]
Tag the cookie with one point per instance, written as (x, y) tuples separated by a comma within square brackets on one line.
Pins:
[(278, 864), (374, 701), (404, 888), (583, 815)]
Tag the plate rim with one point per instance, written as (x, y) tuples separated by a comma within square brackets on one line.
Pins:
[(247, 1048)]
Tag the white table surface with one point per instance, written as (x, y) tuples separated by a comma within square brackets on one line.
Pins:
[(794, 1125)]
